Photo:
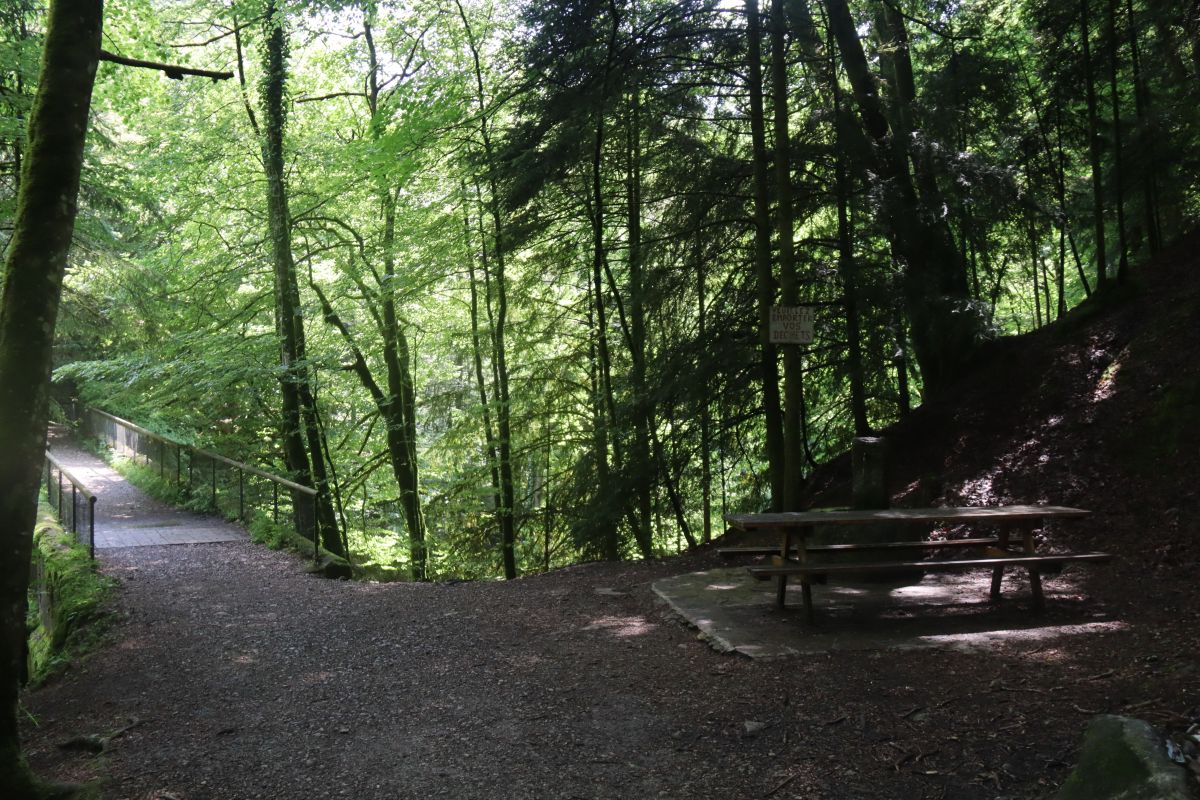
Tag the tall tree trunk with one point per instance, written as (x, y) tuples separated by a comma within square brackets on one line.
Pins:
[(607, 416), (489, 433), (846, 265), (1094, 144), (33, 275), (304, 459), (705, 410), (772, 407), (547, 509), (1061, 187), (896, 62), (643, 410), (900, 362), (945, 327), (507, 509), (1031, 234), (610, 544), (1114, 49), (1141, 107), (789, 281), (398, 406)]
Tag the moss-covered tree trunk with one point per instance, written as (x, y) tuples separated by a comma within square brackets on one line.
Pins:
[(34, 268), (305, 461)]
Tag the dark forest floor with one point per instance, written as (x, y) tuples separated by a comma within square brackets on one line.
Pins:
[(245, 678)]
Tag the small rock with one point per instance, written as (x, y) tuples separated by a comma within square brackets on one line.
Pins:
[(753, 727)]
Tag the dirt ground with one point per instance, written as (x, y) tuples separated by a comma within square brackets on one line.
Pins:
[(232, 674), (245, 678)]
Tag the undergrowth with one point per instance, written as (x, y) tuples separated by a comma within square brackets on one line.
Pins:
[(162, 488), (274, 535)]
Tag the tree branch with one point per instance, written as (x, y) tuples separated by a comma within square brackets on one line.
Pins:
[(330, 96), (173, 71)]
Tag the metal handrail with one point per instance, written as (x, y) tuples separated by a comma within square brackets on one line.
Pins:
[(297, 487), (77, 489), (109, 426)]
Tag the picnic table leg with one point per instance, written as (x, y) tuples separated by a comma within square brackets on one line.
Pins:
[(1035, 575), (998, 571), (785, 544), (805, 581)]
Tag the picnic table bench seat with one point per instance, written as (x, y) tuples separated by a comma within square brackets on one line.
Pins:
[(939, 565), (734, 552)]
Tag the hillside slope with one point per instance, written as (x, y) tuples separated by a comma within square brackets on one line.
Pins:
[(1098, 410)]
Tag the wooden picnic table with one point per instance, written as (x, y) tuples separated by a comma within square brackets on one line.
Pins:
[(794, 555)]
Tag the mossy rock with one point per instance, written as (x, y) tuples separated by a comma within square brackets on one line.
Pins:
[(331, 566), (1123, 759)]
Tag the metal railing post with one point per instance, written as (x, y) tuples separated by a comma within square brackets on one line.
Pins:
[(275, 501), (214, 484), (241, 495), (92, 527), (58, 502)]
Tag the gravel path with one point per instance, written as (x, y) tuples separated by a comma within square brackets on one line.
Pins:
[(250, 679)]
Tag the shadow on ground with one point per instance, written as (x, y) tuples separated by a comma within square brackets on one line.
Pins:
[(736, 613)]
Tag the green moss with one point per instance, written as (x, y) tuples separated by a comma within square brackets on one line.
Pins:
[(1111, 768), (68, 612), (1122, 758), (20, 783)]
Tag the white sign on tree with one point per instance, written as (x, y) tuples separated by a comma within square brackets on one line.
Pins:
[(791, 324)]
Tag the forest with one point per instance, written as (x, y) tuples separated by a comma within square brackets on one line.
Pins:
[(496, 279)]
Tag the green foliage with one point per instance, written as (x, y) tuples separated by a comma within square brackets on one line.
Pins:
[(168, 315), (69, 612), (152, 483), (266, 531)]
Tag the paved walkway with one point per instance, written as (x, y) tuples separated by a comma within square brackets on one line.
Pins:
[(128, 517), (736, 613)]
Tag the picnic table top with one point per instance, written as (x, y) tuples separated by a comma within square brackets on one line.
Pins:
[(797, 519)]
